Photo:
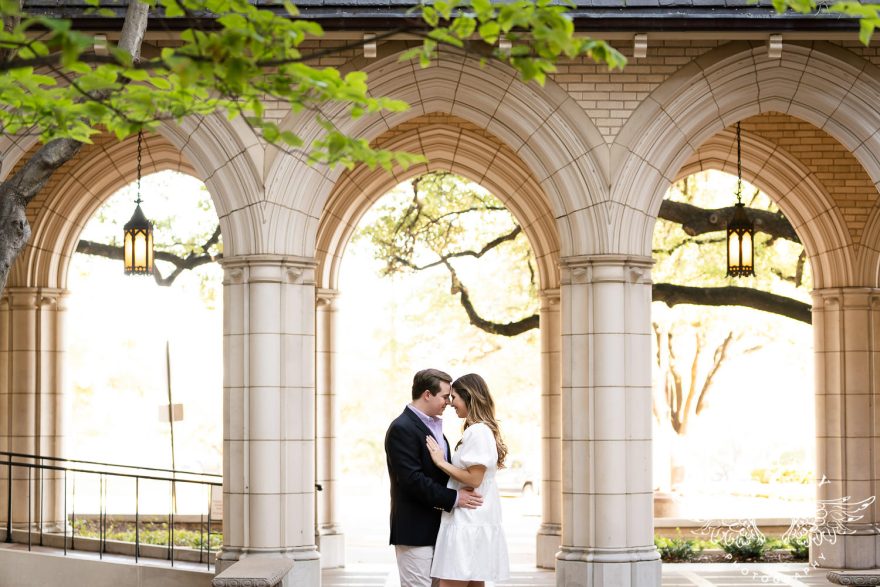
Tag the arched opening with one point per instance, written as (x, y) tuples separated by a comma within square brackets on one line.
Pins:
[(451, 145), (733, 417), (38, 302), (127, 335), (400, 324), (137, 345), (824, 198)]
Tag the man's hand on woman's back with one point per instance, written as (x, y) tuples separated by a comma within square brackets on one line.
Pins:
[(469, 499)]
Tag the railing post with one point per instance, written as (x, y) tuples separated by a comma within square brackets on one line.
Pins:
[(9, 500), (41, 501), (29, 507), (64, 521), (210, 500), (171, 528), (137, 518)]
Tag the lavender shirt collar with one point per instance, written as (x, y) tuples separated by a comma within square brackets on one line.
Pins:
[(435, 425)]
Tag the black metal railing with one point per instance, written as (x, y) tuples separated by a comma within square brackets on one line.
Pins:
[(33, 470)]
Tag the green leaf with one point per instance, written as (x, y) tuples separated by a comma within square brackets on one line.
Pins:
[(429, 15), (866, 31), (489, 32), (9, 8)]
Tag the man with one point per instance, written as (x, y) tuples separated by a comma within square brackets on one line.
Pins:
[(418, 488)]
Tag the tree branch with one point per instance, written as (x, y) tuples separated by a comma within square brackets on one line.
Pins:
[(181, 264), (475, 254), (674, 388), (695, 220), (717, 359), (508, 329), (732, 296)]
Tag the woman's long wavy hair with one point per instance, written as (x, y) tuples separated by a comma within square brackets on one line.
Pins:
[(480, 408)]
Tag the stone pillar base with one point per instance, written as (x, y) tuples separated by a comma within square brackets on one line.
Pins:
[(548, 542), (854, 551), (574, 568), (332, 549), (306, 571)]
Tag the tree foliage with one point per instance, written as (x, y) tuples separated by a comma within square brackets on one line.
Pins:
[(447, 220), (65, 83), (449, 223)]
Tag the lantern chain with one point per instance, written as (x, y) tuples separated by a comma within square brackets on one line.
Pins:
[(140, 140), (739, 167)]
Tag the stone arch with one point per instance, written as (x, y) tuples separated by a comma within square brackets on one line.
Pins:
[(543, 126), (225, 155), (793, 186), (59, 213), (450, 144), (819, 83)]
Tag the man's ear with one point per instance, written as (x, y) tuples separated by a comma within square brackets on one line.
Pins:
[(426, 395)]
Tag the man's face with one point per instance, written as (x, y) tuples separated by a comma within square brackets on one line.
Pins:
[(437, 403)]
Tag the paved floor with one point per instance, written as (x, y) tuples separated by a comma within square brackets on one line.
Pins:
[(674, 575)]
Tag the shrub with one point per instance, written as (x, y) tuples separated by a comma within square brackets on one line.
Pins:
[(745, 548), (676, 549), (149, 533), (800, 546)]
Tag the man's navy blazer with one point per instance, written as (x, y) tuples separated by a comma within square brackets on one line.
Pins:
[(418, 486)]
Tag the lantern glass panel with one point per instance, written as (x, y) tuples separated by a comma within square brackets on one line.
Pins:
[(747, 252), (129, 263), (733, 249), (140, 250)]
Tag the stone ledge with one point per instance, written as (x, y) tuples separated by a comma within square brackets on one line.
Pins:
[(254, 572), (871, 577)]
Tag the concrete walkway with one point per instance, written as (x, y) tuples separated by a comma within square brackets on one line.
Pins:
[(674, 575)]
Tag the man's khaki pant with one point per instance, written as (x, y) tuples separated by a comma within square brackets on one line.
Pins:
[(414, 565)]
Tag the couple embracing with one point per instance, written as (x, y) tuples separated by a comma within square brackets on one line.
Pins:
[(445, 508)]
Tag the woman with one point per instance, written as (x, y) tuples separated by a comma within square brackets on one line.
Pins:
[(471, 548)]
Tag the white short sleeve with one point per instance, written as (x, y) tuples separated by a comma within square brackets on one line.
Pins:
[(478, 447)]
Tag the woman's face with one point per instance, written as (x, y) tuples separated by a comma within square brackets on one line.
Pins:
[(458, 405)]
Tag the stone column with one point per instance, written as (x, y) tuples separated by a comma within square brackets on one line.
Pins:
[(328, 535), (269, 413), (607, 528), (31, 401), (846, 332), (550, 532)]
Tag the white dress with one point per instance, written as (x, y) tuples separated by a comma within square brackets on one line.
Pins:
[(470, 543)]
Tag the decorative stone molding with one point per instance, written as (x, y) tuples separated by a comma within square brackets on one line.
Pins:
[(325, 297), (549, 298), (254, 572), (269, 268), (594, 268), (854, 577)]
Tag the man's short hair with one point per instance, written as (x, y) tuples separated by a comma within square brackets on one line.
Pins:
[(429, 379)]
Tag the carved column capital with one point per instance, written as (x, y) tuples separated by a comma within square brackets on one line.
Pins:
[(598, 268), (268, 269), (325, 298), (550, 298)]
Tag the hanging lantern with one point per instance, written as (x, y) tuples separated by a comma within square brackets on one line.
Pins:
[(138, 241), (740, 230)]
